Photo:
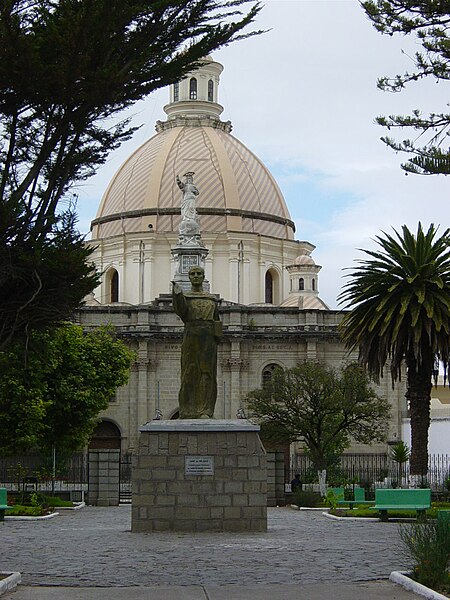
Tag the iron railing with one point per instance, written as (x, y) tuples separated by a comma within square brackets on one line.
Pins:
[(374, 470)]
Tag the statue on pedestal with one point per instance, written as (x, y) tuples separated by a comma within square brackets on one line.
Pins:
[(202, 331), (189, 225)]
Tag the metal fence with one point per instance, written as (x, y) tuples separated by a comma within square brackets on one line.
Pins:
[(37, 472), (125, 477), (374, 470), (33, 472), (18, 469)]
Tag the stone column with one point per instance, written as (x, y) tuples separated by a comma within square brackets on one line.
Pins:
[(142, 394), (104, 477), (275, 479)]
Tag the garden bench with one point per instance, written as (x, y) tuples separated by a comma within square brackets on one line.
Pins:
[(3, 503), (359, 497), (399, 499)]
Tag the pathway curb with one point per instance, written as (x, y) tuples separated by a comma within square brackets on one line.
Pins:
[(401, 578), (9, 583), (24, 518)]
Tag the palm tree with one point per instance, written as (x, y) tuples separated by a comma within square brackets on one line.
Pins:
[(400, 310), (400, 454)]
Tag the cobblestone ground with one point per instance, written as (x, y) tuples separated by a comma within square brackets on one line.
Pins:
[(95, 547)]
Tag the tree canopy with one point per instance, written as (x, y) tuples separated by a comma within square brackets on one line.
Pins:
[(42, 281), (399, 301), (429, 22), (67, 70), (52, 392), (322, 407)]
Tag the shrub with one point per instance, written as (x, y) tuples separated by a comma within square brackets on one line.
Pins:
[(305, 498), (428, 546), (332, 498)]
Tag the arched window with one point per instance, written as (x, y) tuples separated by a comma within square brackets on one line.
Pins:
[(267, 373), (210, 90), (301, 284), (114, 287), (269, 288), (313, 284), (176, 92), (193, 89)]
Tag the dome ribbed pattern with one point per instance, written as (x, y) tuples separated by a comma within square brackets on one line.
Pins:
[(237, 192)]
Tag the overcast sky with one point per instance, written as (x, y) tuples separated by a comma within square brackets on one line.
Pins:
[(303, 98)]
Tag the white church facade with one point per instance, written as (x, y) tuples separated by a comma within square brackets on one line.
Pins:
[(267, 280)]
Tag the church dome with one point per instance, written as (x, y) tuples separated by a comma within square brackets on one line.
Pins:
[(304, 259), (236, 191)]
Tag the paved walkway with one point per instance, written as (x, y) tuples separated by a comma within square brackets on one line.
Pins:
[(303, 556)]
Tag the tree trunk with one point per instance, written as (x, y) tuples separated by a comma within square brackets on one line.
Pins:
[(418, 396), (322, 474)]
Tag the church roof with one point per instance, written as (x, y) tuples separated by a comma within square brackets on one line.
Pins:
[(236, 190), (305, 301)]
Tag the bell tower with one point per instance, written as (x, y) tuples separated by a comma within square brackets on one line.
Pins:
[(197, 94)]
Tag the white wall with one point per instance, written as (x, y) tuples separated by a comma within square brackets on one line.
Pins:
[(438, 435)]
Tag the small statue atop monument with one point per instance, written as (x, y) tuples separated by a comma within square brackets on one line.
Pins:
[(202, 331), (189, 226)]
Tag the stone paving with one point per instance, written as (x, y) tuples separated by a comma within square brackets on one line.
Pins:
[(95, 547)]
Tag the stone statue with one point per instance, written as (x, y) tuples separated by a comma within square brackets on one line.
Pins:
[(202, 330), (189, 217)]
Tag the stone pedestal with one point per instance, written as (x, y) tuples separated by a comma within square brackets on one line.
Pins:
[(199, 475)]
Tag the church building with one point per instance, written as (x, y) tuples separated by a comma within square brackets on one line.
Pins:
[(267, 280)]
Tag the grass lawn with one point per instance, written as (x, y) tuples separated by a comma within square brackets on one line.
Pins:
[(19, 510), (55, 501), (364, 511), (42, 505)]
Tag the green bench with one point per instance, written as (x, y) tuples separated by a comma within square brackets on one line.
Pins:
[(3, 503), (399, 499), (359, 497)]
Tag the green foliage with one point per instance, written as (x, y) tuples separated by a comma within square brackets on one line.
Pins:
[(362, 511), (89, 60), (55, 396), (427, 545), (399, 298), (400, 452), (429, 23), (54, 501), (20, 510), (310, 475), (306, 498), (399, 302), (34, 500), (322, 407), (332, 499), (42, 280), (67, 69)]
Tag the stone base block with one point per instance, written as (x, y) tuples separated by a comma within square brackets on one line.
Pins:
[(199, 475)]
